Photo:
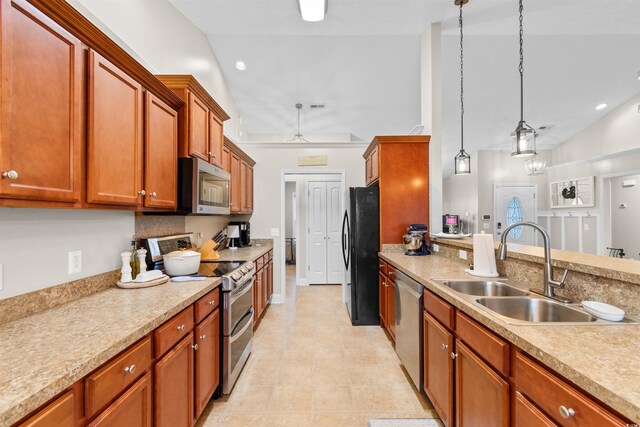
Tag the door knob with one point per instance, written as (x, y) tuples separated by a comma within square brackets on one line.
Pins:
[(10, 174)]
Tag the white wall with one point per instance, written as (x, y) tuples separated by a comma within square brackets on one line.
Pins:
[(166, 42), (624, 221), (271, 159), (34, 245)]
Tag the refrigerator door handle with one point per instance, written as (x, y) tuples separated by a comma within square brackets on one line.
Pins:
[(346, 240)]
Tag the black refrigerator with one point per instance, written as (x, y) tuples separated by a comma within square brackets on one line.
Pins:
[(360, 246)]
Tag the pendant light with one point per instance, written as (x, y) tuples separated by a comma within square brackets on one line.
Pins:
[(462, 160), (298, 136), (535, 165), (523, 139)]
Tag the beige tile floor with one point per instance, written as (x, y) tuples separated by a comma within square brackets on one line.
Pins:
[(310, 366)]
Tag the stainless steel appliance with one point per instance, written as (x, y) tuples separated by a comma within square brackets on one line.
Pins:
[(203, 189), (416, 240), (245, 234), (409, 345)]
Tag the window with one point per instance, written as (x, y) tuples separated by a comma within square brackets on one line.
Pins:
[(514, 214)]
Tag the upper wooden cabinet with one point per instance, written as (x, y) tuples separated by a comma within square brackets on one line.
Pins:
[(399, 166), (115, 132), (240, 166), (42, 93), (200, 121)]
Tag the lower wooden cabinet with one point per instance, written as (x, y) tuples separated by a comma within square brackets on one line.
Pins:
[(173, 391), (262, 286), (207, 362), (527, 415), (65, 411), (387, 298), (382, 296), (391, 308), (482, 396), (438, 367), (132, 409)]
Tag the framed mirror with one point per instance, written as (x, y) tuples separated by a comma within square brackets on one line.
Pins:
[(572, 193)]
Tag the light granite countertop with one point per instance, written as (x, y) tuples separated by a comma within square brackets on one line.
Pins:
[(602, 359), (249, 253)]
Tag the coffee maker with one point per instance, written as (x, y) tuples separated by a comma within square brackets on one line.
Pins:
[(245, 234), (416, 240), (451, 224)]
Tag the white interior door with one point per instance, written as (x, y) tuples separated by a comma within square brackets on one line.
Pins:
[(335, 265), (317, 238), (515, 204)]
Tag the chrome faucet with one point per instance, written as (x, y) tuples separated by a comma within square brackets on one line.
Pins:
[(549, 284)]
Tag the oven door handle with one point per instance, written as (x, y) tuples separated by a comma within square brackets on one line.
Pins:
[(244, 291), (235, 335)]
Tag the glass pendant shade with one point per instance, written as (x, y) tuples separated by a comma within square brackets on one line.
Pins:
[(523, 141), (463, 163), (535, 165)]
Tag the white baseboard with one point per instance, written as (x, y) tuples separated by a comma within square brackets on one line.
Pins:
[(277, 299), (303, 282)]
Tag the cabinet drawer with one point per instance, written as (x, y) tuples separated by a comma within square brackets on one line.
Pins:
[(132, 409), (527, 415), (167, 335), (391, 272), (104, 385), (207, 304), (259, 263), (494, 350), (383, 267), (440, 309), (551, 393), (271, 255), (59, 413)]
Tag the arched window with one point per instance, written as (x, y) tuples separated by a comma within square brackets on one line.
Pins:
[(514, 214)]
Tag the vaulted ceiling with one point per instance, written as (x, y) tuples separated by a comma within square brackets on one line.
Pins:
[(363, 63)]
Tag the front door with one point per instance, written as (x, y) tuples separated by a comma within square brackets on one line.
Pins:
[(515, 204)]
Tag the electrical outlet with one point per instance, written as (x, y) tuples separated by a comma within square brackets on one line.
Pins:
[(275, 232), (75, 262), (486, 226), (462, 254), (586, 227), (435, 247)]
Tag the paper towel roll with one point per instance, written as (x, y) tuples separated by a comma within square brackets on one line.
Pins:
[(484, 256)]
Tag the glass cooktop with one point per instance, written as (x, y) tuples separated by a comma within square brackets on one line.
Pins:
[(218, 268)]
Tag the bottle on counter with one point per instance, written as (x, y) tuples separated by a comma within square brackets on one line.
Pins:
[(135, 262)]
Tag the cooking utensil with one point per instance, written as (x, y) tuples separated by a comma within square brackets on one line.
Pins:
[(181, 263)]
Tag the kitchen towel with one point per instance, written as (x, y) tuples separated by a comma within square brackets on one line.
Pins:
[(484, 256)]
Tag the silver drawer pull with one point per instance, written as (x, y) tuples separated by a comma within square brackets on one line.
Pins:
[(130, 369), (212, 302), (444, 346), (566, 412), (195, 346), (203, 337), (142, 192), (181, 328), (454, 355), (10, 174)]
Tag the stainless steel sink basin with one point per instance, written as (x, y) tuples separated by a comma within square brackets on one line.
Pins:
[(484, 288), (535, 310)]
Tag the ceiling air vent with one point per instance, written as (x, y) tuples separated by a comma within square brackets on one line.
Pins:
[(316, 106)]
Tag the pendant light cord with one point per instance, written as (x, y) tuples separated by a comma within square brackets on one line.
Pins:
[(461, 82), (521, 67)]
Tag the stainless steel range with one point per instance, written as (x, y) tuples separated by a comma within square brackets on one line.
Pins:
[(237, 302)]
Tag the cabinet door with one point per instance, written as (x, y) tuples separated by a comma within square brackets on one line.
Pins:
[(367, 170), (527, 415), (248, 189), (391, 308), (41, 140), (161, 154), (132, 409), (382, 295), (265, 286), (173, 392), (61, 412), (226, 159), (207, 374), (257, 285), (270, 279), (198, 128), (438, 368), (482, 396), (236, 183), (374, 164), (114, 157), (243, 186), (216, 139)]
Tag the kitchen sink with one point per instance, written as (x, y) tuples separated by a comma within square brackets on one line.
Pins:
[(535, 310), (483, 288)]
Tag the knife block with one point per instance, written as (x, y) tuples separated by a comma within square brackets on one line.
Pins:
[(208, 252)]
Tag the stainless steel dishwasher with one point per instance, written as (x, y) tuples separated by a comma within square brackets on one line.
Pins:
[(409, 325)]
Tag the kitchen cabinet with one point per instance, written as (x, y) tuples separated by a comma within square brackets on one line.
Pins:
[(161, 154), (527, 415), (173, 391), (390, 314), (41, 122), (241, 170), (382, 296), (207, 361), (115, 130), (226, 159), (64, 411), (387, 298), (438, 367), (132, 409), (248, 189), (236, 184), (262, 286), (201, 121), (391, 163)]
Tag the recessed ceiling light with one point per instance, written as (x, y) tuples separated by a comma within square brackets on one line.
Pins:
[(312, 10), (240, 65), (601, 106)]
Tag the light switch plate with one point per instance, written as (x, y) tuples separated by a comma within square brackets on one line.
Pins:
[(75, 262), (486, 226), (462, 254), (275, 232), (435, 247)]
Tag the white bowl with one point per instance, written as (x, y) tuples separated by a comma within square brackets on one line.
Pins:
[(181, 263), (603, 311)]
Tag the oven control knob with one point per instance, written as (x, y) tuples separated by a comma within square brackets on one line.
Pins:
[(236, 276), (250, 267), (243, 271)]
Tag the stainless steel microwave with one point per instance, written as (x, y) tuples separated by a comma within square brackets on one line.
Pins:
[(203, 189)]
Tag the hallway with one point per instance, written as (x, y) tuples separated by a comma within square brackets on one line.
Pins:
[(310, 366)]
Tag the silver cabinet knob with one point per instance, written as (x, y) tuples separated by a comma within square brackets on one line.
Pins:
[(212, 302), (195, 346), (10, 174), (566, 412), (444, 346), (154, 194), (203, 337), (454, 355), (142, 192), (130, 369), (181, 328)]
